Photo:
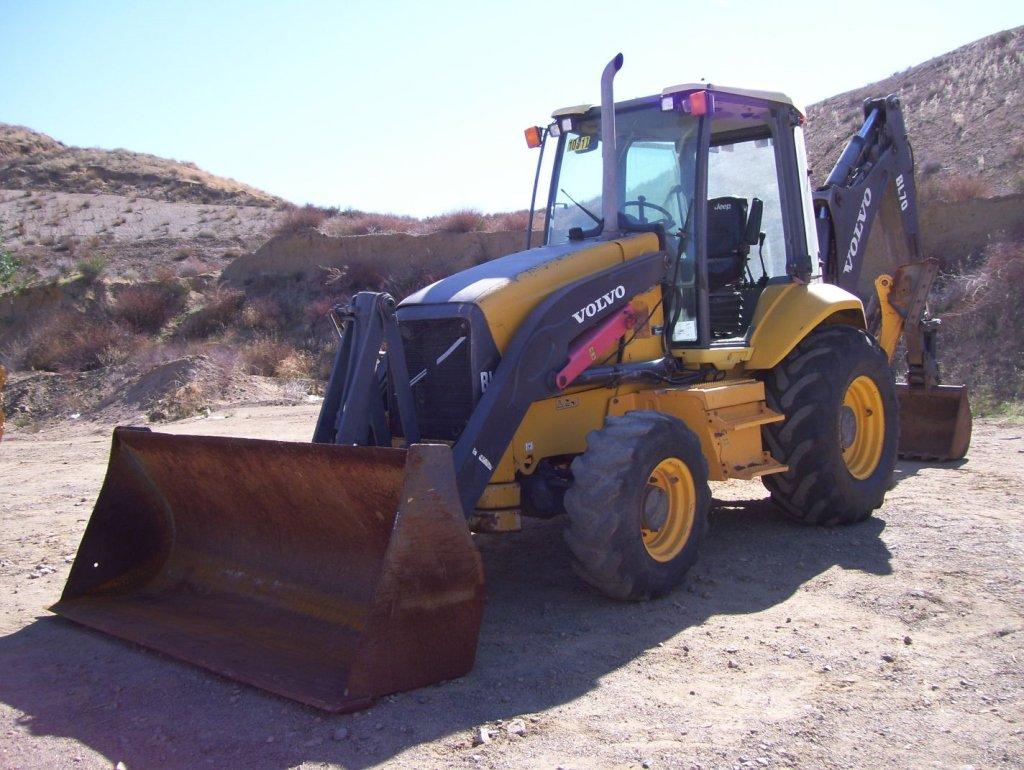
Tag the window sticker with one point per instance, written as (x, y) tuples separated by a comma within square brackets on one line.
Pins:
[(582, 143)]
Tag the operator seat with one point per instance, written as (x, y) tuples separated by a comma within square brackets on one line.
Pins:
[(727, 243)]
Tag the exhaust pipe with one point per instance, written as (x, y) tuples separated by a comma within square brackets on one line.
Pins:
[(610, 203)]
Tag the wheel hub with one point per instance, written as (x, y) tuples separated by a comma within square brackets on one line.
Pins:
[(668, 509), (847, 426), (655, 508), (862, 427)]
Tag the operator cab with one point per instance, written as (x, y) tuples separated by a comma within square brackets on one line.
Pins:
[(720, 174)]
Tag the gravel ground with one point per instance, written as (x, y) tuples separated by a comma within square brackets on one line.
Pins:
[(896, 642)]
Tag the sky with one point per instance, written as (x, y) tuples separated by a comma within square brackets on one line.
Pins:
[(419, 107)]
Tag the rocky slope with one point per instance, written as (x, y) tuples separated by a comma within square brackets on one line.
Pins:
[(34, 161), (964, 111)]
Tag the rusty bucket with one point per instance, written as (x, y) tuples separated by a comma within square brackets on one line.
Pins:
[(331, 575), (935, 422)]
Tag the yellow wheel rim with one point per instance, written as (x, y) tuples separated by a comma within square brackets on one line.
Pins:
[(862, 427), (669, 508)]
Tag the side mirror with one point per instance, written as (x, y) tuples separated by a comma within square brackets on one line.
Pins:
[(753, 222)]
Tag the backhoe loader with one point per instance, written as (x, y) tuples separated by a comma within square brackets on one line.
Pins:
[(686, 320)]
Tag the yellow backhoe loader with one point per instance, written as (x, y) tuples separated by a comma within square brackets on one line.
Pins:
[(684, 321)]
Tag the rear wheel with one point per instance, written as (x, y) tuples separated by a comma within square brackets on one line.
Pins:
[(841, 431), (638, 505)]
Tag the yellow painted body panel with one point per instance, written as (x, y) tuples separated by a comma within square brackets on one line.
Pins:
[(786, 313), (509, 302), (726, 415), (727, 418), (892, 321)]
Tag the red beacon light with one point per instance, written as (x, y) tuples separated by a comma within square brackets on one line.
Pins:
[(699, 103), (696, 103)]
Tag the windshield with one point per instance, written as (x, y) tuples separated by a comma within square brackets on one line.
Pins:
[(657, 159), (657, 168)]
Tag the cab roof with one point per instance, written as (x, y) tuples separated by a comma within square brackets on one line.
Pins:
[(776, 97)]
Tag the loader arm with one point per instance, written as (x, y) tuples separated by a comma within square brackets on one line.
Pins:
[(352, 410), (874, 178)]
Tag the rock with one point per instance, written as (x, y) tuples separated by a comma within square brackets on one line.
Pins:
[(645, 763), (482, 735), (887, 657), (516, 727), (907, 640), (733, 664), (120, 766), (731, 650)]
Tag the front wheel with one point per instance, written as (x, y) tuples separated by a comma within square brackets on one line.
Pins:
[(638, 505), (841, 430)]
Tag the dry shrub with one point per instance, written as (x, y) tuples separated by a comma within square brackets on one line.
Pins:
[(318, 311), (185, 401), (219, 312), (92, 266), (362, 276), (191, 267), (146, 308), (264, 356), (462, 221), (298, 219), (297, 365), (263, 314), (982, 336), (956, 188), (513, 221), (360, 223), (70, 341)]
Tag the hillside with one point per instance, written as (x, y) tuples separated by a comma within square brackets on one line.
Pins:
[(30, 160), (964, 111)]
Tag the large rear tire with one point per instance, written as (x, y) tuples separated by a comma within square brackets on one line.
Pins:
[(638, 505), (841, 431)]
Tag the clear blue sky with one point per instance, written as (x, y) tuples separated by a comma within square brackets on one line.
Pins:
[(418, 107)]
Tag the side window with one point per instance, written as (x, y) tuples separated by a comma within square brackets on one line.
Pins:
[(746, 170)]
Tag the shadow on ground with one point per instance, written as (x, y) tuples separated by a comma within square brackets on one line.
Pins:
[(546, 640)]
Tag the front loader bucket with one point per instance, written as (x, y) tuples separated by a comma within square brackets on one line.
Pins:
[(935, 423), (328, 574)]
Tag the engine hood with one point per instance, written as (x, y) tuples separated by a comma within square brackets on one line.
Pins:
[(508, 288)]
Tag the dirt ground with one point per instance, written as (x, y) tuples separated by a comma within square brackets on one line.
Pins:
[(896, 642)]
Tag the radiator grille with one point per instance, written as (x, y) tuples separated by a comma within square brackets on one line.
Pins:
[(437, 354)]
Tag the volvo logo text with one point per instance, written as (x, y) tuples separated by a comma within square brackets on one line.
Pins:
[(599, 304)]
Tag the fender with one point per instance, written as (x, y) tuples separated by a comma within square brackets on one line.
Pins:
[(786, 313)]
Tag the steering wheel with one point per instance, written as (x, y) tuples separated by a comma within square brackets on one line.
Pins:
[(642, 203)]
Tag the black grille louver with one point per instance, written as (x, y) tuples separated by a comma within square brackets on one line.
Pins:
[(438, 357)]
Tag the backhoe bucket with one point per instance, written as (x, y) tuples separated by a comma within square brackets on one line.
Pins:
[(327, 574), (935, 423)]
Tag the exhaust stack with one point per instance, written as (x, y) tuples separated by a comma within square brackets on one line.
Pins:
[(610, 203)]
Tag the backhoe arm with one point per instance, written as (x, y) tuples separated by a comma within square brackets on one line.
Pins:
[(874, 178), (878, 159)]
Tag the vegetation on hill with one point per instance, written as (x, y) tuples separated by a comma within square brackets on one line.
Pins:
[(964, 112), (30, 160)]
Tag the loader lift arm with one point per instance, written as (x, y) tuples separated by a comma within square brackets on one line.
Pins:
[(894, 280)]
